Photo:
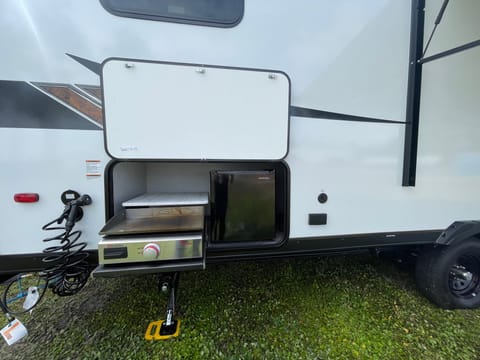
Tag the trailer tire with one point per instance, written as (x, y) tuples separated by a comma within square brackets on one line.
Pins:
[(450, 275)]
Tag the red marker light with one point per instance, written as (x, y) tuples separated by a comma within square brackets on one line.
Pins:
[(26, 197)]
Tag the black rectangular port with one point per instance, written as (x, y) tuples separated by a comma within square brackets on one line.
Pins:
[(115, 253), (317, 219)]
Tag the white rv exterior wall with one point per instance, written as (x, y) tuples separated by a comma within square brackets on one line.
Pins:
[(47, 162), (345, 56)]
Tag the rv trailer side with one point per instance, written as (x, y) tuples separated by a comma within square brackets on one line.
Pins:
[(310, 132)]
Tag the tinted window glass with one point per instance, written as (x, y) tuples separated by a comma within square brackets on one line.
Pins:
[(205, 12)]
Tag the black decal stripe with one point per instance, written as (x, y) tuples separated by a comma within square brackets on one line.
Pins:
[(294, 110), (89, 64), (23, 106), (327, 115)]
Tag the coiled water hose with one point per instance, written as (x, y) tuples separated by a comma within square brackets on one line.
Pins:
[(67, 269)]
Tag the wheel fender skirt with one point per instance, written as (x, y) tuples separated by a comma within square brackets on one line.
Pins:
[(458, 231)]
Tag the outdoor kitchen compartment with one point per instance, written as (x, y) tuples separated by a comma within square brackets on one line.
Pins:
[(170, 205), (166, 136)]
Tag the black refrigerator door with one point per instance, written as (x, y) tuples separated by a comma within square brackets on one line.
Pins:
[(243, 206)]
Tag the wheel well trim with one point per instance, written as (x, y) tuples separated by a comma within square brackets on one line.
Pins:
[(459, 231)]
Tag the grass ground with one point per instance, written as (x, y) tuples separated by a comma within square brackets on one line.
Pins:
[(320, 308)]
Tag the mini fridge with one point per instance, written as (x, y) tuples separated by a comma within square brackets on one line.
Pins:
[(243, 206)]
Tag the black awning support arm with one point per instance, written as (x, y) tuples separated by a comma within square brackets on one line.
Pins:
[(455, 50), (413, 93), (438, 19), (445, 53), (414, 88)]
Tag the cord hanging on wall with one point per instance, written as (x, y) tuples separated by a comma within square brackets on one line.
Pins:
[(67, 269)]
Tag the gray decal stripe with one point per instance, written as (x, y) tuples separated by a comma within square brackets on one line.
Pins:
[(89, 64), (23, 106), (327, 115)]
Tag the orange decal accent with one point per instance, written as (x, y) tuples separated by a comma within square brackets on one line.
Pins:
[(69, 96), (92, 90), (7, 333)]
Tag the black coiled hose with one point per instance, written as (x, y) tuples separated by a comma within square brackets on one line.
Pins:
[(67, 269)]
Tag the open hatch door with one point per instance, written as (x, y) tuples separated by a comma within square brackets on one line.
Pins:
[(158, 110)]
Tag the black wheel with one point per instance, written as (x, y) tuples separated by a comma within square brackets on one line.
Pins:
[(450, 275)]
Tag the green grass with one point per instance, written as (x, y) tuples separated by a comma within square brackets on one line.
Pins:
[(319, 308)]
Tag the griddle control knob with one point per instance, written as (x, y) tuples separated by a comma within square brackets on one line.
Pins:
[(151, 251)]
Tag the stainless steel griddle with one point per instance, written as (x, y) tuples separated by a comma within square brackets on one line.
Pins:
[(152, 229), (159, 213)]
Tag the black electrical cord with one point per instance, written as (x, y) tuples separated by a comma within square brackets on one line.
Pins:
[(67, 269)]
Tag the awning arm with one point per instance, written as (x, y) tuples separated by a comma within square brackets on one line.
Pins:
[(442, 54), (455, 50), (438, 19), (414, 88)]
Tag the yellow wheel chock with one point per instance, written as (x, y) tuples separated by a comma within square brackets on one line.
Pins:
[(163, 330), (158, 330)]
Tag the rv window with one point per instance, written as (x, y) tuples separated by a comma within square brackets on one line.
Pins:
[(222, 13)]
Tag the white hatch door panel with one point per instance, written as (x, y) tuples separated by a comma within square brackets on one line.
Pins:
[(179, 111)]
